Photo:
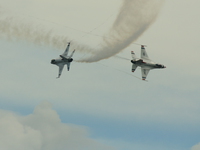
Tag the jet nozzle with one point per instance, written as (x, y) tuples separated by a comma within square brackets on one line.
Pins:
[(53, 61)]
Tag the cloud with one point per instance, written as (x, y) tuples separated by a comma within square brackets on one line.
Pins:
[(196, 147), (43, 130)]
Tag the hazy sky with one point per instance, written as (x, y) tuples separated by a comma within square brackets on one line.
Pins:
[(98, 105)]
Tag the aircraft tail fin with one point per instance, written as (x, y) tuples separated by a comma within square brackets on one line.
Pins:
[(72, 54)]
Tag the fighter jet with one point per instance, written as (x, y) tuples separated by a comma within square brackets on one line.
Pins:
[(145, 63), (64, 59)]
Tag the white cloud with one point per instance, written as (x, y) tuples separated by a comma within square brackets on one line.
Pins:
[(43, 130), (196, 147)]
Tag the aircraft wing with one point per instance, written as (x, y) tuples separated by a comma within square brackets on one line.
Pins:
[(144, 53), (145, 72), (66, 51), (60, 69)]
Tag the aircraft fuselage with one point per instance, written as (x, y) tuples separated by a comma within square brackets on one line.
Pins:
[(146, 64), (61, 60)]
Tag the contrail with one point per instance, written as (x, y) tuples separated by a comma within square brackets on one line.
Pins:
[(134, 18)]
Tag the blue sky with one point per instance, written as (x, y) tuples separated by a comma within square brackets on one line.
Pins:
[(107, 108)]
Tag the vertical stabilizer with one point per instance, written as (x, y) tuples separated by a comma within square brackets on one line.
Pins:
[(72, 54)]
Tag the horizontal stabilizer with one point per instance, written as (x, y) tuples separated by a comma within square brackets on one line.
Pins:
[(68, 66), (134, 67), (133, 55), (60, 70), (144, 53)]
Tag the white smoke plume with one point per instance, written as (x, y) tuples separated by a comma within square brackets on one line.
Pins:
[(14, 29), (134, 18), (43, 130)]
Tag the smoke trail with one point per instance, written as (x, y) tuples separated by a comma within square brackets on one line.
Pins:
[(133, 19), (14, 29)]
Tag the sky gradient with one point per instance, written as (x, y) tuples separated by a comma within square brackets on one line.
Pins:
[(99, 105)]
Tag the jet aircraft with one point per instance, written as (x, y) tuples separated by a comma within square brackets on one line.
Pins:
[(64, 59), (145, 63)]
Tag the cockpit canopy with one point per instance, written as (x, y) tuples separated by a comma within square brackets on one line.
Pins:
[(160, 66)]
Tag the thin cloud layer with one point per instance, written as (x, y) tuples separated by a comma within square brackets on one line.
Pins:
[(43, 130)]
